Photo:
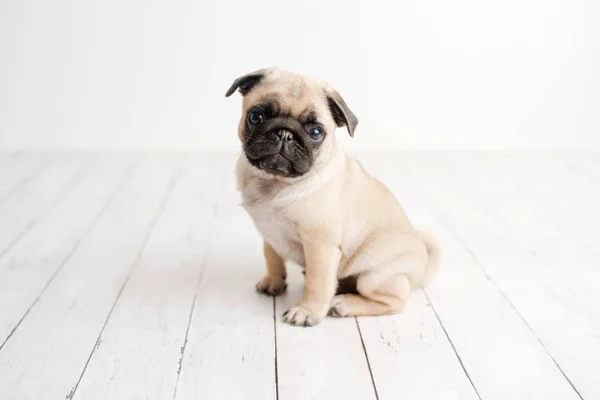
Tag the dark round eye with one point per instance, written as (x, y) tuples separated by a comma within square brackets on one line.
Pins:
[(255, 118), (316, 133)]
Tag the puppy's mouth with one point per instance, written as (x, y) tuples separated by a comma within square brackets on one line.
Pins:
[(276, 156), (277, 164)]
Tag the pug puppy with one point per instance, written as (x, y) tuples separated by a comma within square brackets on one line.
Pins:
[(319, 208)]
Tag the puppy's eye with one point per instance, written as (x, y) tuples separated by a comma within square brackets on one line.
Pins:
[(316, 134), (255, 118)]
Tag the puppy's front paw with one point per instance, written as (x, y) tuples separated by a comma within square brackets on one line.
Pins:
[(271, 285), (338, 306), (302, 316)]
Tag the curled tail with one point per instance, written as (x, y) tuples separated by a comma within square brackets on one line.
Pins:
[(434, 252)]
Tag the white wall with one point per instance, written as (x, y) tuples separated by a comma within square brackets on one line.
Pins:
[(426, 74)]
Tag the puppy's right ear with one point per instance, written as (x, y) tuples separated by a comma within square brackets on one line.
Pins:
[(340, 111), (247, 82)]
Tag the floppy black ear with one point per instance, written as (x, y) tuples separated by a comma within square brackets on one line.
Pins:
[(247, 82), (340, 111)]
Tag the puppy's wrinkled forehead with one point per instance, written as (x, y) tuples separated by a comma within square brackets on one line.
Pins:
[(293, 96)]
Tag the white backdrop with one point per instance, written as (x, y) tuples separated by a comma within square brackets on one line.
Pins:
[(419, 74)]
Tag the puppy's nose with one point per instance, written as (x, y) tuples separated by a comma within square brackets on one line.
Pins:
[(284, 135)]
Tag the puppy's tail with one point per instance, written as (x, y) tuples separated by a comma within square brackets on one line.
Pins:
[(434, 253)]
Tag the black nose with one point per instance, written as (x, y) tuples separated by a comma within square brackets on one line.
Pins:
[(284, 135)]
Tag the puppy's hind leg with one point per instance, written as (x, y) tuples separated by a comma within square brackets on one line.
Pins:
[(375, 296), (383, 290)]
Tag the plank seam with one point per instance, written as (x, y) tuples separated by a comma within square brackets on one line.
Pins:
[(367, 358), (197, 289), (192, 311), (39, 217), (460, 361), (26, 180), (510, 303), (135, 263), (78, 242), (486, 274)]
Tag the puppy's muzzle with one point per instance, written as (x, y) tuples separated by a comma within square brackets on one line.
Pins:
[(268, 144), (276, 147), (272, 136)]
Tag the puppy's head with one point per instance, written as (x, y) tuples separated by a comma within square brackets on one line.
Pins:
[(288, 120)]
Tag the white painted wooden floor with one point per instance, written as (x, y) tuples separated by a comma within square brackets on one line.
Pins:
[(132, 277)]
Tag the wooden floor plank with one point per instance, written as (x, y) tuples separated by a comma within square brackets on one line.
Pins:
[(587, 167), (569, 199), (319, 362), (230, 350), (563, 313), (18, 170), (488, 333), (409, 353), (30, 265), (139, 352), (24, 209), (46, 356), (529, 227)]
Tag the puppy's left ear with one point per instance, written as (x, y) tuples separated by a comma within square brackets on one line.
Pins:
[(247, 82), (340, 111)]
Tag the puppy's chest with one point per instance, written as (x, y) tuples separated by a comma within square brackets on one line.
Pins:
[(278, 230)]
